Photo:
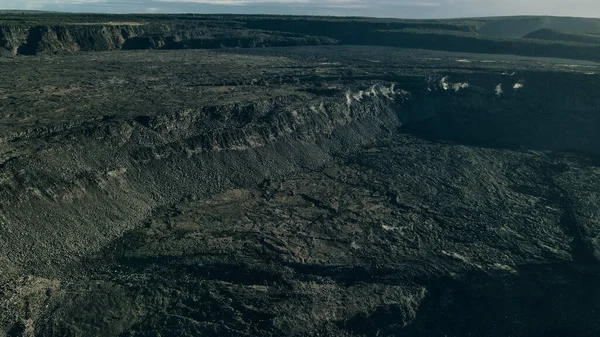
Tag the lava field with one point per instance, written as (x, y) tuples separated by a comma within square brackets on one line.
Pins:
[(330, 190)]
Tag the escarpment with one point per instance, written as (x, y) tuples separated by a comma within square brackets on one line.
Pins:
[(63, 39), (100, 179), (56, 33), (67, 39)]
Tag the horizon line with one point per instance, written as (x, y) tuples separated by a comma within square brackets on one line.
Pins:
[(4, 11)]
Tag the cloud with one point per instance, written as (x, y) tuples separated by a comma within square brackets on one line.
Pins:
[(387, 8), (382, 8), (309, 3), (314, 3)]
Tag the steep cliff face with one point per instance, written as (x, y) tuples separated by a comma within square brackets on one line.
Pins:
[(108, 181), (516, 110), (11, 38), (66, 39), (63, 39)]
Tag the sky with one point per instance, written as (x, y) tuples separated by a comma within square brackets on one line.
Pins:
[(379, 8)]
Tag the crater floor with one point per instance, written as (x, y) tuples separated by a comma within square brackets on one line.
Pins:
[(310, 191)]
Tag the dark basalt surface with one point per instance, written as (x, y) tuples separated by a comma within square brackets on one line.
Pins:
[(307, 191)]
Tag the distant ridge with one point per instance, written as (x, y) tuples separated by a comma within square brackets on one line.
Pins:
[(519, 26), (553, 35), (21, 11)]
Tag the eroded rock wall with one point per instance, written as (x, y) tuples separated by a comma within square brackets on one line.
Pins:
[(96, 181)]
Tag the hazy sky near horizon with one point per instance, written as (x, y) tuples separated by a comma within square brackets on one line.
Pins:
[(382, 8)]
